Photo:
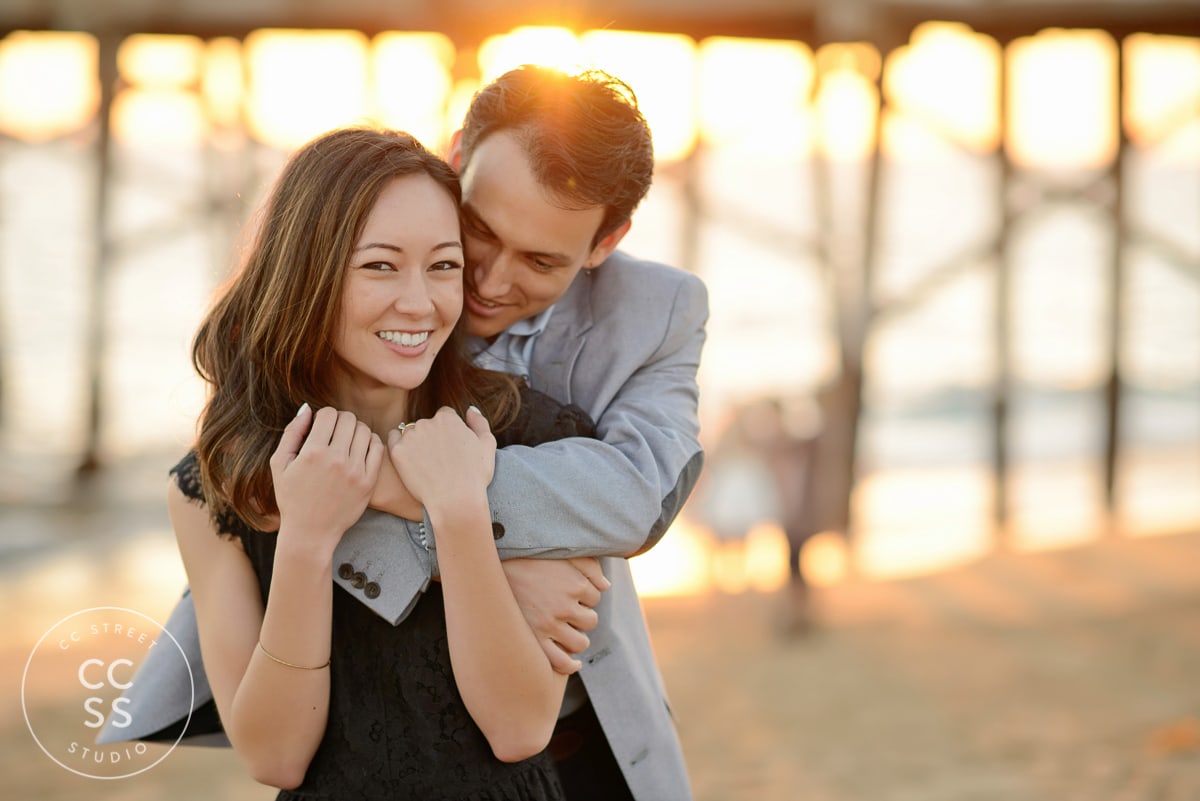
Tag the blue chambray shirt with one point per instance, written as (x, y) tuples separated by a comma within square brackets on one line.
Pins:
[(512, 349)]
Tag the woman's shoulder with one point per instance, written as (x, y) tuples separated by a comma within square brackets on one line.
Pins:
[(189, 481), (186, 473)]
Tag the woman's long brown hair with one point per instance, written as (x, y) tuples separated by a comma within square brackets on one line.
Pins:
[(266, 345)]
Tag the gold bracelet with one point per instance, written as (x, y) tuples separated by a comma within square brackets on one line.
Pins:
[(284, 662)]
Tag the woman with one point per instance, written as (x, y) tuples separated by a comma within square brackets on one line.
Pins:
[(346, 309)]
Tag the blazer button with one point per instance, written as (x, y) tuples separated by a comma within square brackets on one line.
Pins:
[(358, 580), (371, 590), (497, 530), (345, 570)]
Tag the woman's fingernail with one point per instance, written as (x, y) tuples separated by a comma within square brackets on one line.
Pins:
[(302, 409), (474, 408)]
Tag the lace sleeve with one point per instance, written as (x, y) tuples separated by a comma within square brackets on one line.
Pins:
[(187, 477)]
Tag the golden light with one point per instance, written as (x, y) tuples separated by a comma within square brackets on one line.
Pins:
[(1062, 86), (1151, 502), (847, 100), (457, 104), (411, 83), (160, 105), (950, 76), (548, 46), (825, 559), (1055, 504), (766, 562), (860, 57), (661, 68), (159, 116), (655, 65), (48, 83), (916, 521), (303, 83), (755, 92), (1162, 75), (152, 60), (223, 81), (678, 565)]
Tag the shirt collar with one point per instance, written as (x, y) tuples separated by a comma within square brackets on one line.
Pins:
[(531, 326)]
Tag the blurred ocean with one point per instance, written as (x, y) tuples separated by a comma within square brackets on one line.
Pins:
[(924, 445)]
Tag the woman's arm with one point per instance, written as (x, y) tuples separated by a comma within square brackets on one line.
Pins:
[(275, 713), (391, 496), (508, 684), (274, 716)]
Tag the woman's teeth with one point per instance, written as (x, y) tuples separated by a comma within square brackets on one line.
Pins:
[(404, 338)]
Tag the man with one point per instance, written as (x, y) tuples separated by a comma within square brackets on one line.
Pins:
[(552, 167)]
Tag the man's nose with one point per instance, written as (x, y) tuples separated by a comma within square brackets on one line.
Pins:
[(493, 274)]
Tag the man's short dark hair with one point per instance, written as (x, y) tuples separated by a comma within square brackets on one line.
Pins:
[(583, 133)]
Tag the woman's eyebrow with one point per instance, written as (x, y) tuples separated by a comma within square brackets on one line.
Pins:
[(453, 243)]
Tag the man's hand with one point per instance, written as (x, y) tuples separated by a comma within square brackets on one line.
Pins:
[(556, 596)]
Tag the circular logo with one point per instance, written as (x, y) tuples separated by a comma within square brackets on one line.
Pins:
[(75, 685)]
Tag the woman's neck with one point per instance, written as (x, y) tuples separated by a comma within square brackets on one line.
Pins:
[(382, 409)]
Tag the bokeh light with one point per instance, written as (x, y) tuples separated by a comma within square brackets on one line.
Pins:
[(48, 83), (1063, 104), (755, 91), (303, 83), (411, 81)]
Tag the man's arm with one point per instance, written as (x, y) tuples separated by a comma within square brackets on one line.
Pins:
[(615, 495), (635, 373)]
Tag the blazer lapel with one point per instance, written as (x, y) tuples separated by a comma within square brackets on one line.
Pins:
[(557, 348)]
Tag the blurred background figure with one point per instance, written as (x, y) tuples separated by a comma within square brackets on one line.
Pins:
[(764, 470), (737, 492), (788, 432)]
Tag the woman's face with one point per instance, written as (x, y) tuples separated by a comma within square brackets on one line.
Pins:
[(403, 290)]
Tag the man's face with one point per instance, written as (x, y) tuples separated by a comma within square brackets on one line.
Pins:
[(522, 250)]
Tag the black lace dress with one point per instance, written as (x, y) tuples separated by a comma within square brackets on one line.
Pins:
[(398, 728)]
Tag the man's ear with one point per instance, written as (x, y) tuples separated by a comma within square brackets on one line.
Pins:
[(454, 154), (607, 245)]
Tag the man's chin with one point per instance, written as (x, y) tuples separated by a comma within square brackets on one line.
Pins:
[(484, 328)]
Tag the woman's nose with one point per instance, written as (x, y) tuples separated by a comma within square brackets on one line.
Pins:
[(413, 297)]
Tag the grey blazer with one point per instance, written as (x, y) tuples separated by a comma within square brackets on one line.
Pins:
[(623, 343)]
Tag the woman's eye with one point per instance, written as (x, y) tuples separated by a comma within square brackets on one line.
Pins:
[(442, 266), (377, 265)]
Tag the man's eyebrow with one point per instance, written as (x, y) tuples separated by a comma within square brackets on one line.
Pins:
[(480, 223)]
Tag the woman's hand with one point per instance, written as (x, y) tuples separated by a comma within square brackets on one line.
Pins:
[(324, 471), (392, 496), (443, 460)]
